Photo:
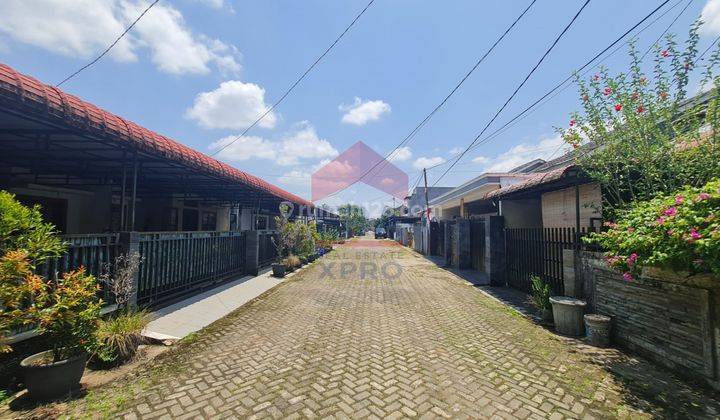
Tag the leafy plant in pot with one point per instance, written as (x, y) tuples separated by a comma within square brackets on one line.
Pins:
[(284, 242), (541, 292), (66, 311), (118, 337)]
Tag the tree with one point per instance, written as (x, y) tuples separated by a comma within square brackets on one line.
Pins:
[(353, 218)]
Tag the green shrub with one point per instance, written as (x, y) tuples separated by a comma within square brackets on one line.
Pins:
[(66, 312), (679, 231), (118, 337), (541, 292)]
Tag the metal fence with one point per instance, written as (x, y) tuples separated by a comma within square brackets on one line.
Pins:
[(538, 251), (180, 263), (267, 251)]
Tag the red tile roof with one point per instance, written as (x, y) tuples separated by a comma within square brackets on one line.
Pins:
[(534, 181), (32, 96)]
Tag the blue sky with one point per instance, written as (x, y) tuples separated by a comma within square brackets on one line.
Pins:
[(200, 70)]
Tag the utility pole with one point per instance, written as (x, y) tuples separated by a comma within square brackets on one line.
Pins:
[(427, 204)]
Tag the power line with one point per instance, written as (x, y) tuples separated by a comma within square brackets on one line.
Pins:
[(111, 45), (547, 52), (442, 103), (302, 76), (666, 29), (570, 77)]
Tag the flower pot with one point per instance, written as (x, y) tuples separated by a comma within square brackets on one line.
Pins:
[(53, 380), (568, 315), (289, 268), (278, 270), (598, 329)]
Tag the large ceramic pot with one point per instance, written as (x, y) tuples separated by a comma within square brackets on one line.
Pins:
[(568, 315), (278, 270), (52, 380)]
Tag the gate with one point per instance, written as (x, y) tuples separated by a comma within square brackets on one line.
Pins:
[(538, 251), (477, 244)]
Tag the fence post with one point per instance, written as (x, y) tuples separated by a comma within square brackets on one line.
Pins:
[(495, 250), (129, 243), (463, 258), (252, 252)]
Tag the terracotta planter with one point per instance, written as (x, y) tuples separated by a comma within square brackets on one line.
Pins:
[(53, 380), (568, 315), (278, 270), (598, 329)]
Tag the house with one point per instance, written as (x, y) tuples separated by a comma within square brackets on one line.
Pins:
[(112, 186)]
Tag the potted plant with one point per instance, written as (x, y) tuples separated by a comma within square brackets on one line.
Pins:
[(283, 244), (67, 312), (118, 337), (291, 262), (541, 292)]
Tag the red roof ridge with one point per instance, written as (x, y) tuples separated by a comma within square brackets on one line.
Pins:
[(30, 94)]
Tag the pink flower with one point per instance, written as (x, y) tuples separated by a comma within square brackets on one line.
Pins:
[(572, 123), (679, 199), (618, 107), (663, 95), (631, 229), (671, 232), (672, 211), (628, 277), (660, 220), (596, 77), (703, 196), (586, 98), (632, 259), (607, 91), (664, 53), (694, 234)]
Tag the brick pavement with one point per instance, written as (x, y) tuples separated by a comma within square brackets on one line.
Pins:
[(424, 344)]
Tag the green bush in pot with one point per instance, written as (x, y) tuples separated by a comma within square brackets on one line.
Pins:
[(67, 311)]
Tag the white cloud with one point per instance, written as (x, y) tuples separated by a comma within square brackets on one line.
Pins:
[(244, 148), (711, 16), (84, 28), (401, 154), (546, 148), (426, 162), (303, 143), (363, 111), (233, 104), (215, 4), (295, 177), (481, 159), (455, 151)]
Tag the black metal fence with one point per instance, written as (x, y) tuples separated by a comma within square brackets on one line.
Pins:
[(267, 250), (538, 251), (477, 244), (179, 263)]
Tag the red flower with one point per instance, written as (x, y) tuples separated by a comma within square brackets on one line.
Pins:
[(575, 145), (618, 107), (572, 123), (664, 53), (634, 96), (596, 77), (640, 109), (586, 98), (663, 95)]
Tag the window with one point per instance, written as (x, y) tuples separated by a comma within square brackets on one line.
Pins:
[(209, 220), (170, 221), (261, 222)]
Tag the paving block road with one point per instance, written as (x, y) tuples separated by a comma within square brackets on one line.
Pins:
[(412, 341)]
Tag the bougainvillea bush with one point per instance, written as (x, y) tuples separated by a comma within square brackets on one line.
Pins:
[(679, 231)]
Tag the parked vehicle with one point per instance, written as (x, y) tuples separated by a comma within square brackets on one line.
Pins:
[(380, 233)]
